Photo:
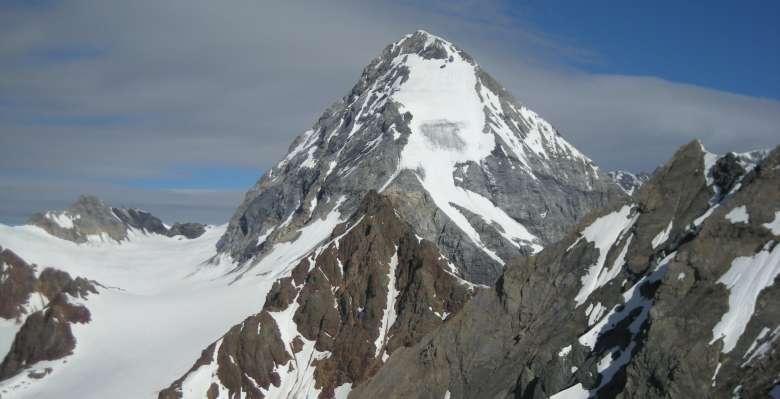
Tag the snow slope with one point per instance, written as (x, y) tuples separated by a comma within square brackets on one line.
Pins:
[(604, 233), (149, 314), (447, 129), (161, 303)]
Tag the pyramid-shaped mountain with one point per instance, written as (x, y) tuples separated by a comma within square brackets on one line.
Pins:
[(475, 171)]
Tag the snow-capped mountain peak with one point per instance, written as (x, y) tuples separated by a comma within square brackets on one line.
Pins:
[(425, 119), (457, 108)]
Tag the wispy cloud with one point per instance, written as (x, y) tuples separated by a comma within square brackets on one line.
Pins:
[(97, 94)]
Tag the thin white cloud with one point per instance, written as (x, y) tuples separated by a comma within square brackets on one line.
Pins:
[(185, 82)]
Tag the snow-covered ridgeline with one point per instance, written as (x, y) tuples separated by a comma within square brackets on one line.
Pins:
[(747, 160)]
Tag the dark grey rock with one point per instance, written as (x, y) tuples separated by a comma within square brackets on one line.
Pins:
[(90, 219), (727, 171), (189, 230), (141, 220)]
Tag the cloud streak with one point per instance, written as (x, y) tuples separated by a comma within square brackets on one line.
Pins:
[(94, 94)]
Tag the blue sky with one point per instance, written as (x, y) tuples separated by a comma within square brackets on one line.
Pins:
[(179, 107), (725, 45), (214, 177)]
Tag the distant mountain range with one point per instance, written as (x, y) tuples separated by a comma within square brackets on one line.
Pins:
[(627, 181), (89, 220)]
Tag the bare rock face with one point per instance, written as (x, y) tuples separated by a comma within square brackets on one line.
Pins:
[(189, 230), (17, 283), (90, 219), (246, 358), (148, 223), (476, 172), (140, 220), (46, 333), (670, 294), (373, 289)]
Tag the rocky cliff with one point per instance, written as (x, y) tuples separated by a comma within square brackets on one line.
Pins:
[(670, 294)]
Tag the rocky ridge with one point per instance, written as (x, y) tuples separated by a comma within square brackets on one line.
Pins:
[(669, 294), (336, 316), (89, 219)]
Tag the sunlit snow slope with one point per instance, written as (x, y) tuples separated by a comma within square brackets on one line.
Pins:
[(148, 321)]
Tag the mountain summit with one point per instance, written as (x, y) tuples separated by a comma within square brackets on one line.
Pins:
[(475, 171)]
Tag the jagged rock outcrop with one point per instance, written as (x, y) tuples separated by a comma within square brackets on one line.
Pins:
[(670, 294), (627, 181), (476, 172), (189, 230), (17, 283), (45, 331), (334, 319), (146, 222), (89, 219), (140, 220)]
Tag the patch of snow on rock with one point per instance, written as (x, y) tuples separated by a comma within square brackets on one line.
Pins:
[(761, 345), (564, 351), (62, 219), (738, 215), (603, 233), (573, 392), (774, 225), (447, 129), (745, 280), (389, 316), (663, 235)]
